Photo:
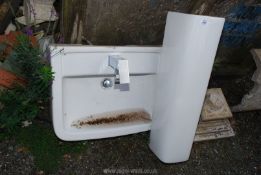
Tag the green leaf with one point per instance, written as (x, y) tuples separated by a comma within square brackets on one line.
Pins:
[(21, 103)]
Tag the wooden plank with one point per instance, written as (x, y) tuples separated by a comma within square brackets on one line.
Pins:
[(73, 19), (212, 130), (117, 22), (213, 126), (213, 136), (215, 106)]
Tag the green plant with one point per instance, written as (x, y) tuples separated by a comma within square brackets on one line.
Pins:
[(48, 151), (24, 102)]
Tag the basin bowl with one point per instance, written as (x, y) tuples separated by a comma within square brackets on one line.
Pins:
[(84, 109)]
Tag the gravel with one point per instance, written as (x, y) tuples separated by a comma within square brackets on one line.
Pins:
[(15, 159), (239, 155)]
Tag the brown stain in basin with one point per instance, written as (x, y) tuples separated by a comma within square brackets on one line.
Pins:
[(120, 118)]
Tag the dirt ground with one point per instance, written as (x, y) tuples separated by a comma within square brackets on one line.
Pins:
[(240, 155)]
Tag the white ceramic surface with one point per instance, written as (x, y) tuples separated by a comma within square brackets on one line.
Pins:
[(187, 55), (78, 94)]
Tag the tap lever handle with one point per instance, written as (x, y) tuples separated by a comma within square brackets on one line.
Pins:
[(123, 67)]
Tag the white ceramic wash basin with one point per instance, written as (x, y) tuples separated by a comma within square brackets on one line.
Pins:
[(164, 94), (79, 95)]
